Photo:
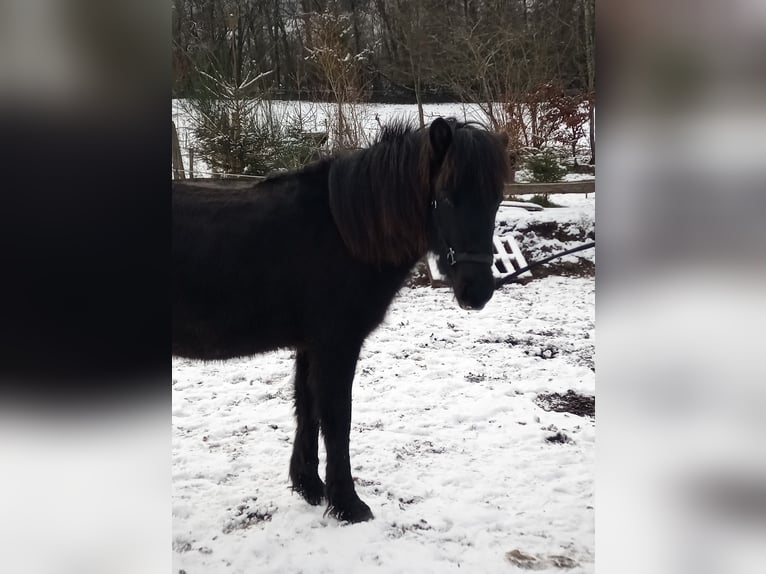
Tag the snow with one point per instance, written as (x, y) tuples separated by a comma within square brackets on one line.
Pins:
[(447, 445), (525, 176), (319, 116), (315, 114)]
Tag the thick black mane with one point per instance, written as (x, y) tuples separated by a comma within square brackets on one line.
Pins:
[(394, 130), (380, 196)]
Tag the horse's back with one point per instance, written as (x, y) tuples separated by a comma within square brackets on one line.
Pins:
[(259, 267), (236, 289), (202, 184)]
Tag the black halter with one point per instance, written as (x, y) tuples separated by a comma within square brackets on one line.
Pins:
[(453, 257)]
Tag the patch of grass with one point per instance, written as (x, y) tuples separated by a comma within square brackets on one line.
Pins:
[(543, 201)]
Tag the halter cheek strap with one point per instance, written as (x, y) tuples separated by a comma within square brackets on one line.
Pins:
[(455, 257)]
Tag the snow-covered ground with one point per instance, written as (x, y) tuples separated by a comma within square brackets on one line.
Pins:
[(448, 447)]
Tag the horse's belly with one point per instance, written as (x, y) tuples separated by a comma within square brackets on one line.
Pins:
[(226, 333)]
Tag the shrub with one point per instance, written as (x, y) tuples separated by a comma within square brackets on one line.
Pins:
[(543, 201), (250, 144), (545, 167), (237, 130)]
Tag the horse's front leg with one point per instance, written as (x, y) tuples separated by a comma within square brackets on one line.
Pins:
[(304, 462), (332, 373)]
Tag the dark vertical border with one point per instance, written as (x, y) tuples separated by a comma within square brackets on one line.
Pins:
[(84, 227)]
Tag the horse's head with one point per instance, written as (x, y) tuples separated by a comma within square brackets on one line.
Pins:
[(469, 167)]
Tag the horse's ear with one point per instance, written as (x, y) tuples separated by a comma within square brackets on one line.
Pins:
[(504, 138), (440, 134)]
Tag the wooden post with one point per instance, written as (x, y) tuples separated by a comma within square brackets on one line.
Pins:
[(177, 160), (191, 163)]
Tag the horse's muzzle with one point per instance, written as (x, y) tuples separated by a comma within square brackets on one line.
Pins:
[(475, 290), (470, 307)]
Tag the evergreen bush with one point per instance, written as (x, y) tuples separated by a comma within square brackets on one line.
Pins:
[(545, 167)]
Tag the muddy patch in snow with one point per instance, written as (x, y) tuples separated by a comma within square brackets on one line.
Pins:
[(537, 562), (569, 402)]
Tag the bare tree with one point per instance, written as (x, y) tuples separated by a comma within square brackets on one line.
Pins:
[(341, 69), (507, 56)]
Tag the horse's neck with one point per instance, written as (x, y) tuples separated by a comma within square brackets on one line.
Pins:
[(378, 202)]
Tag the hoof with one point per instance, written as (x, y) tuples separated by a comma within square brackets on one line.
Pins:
[(353, 511), (312, 489)]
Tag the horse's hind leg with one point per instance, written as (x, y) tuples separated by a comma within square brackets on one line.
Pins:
[(305, 459), (332, 373)]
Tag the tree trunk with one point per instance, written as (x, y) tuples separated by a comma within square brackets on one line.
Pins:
[(421, 115), (592, 130), (591, 73), (355, 24), (274, 29), (390, 42)]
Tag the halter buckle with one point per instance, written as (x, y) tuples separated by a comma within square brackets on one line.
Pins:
[(451, 256)]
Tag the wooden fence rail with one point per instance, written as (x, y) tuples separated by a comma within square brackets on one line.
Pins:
[(511, 189), (583, 186)]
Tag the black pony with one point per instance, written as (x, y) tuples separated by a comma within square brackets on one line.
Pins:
[(311, 260)]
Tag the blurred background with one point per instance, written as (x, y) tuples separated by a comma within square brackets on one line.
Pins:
[(681, 472), (84, 253)]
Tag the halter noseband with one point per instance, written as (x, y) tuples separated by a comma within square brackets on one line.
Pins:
[(453, 257)]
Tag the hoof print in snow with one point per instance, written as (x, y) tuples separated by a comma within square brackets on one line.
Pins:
[(417, 448), (245, 518), (181, 546), (405, 502), (527, 562), (475, 377), (559, 438), (570, 402), (399, 530)]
